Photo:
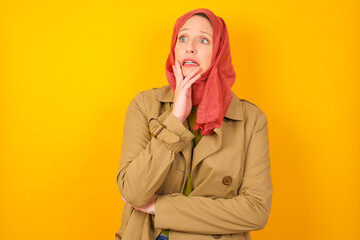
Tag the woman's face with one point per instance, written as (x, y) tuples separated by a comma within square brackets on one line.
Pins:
[(194, 45)]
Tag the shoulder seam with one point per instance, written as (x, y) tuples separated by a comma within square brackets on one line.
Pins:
[(242, 99)]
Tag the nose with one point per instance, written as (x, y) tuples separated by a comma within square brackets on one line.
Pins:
[(190, 48)]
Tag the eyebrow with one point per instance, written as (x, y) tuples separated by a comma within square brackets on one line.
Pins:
[(199, 31)]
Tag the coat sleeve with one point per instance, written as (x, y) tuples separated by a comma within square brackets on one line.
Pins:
[(148, 149), (247, 211)]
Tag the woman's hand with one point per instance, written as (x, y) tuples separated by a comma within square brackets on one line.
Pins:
[(147, 208), (182, 99)]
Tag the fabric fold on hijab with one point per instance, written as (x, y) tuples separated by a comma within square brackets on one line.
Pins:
[(212, 92)]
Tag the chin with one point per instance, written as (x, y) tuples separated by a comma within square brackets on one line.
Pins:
[(186, 72)]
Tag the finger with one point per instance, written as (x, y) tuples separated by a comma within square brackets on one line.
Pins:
[(142, 210), (178, 71), (177, 64), (191, 74), (177, 79), (192, 81)]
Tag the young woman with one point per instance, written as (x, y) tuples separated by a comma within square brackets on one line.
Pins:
[(195, 158)]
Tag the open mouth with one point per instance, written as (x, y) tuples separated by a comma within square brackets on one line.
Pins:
[(190, 63)]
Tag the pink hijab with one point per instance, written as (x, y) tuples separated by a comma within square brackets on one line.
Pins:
[(212, 91)]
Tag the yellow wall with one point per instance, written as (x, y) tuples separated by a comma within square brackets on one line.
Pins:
[(70, 68)]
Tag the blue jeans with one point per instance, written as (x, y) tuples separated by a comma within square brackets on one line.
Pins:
[(162, 237)]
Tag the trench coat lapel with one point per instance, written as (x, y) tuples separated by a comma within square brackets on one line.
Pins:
[(207, 145), (210, 144)]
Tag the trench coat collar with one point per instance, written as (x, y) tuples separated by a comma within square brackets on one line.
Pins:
[(166, 94)]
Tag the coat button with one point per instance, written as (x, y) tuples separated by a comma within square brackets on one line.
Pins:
[(216, 236), (227, 180)]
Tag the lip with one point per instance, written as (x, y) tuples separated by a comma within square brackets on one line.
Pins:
[(190, 65)]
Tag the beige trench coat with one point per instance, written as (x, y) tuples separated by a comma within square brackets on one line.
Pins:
[(232, 188)]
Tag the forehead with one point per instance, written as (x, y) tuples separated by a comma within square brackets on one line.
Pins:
[(197, 23)]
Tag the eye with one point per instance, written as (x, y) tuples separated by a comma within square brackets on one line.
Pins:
[(204, 40), (182, 39)]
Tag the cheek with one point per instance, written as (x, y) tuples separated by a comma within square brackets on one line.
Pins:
[(177, 52), (207, 57)]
